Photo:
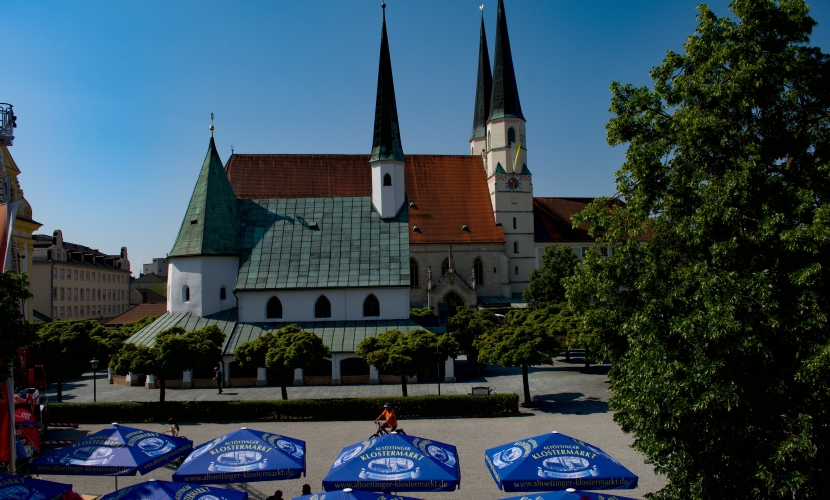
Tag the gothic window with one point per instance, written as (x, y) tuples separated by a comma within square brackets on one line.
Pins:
[(479, 268), (185, 293), (322, 308), (371, 306), (514, 223), (413, 273), (517, 271), (274, 308), (445, 267), (515, 247), (387, 180), (511, 136), (223, 294)]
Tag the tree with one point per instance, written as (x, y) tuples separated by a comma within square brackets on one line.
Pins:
[(546, 284), (403, 354), (717, 324), (467, 326), (292, 348), (14, 289), (521, 342), (174, 352)]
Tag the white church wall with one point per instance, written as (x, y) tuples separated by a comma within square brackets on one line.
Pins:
[(203, 276), (346, 304)]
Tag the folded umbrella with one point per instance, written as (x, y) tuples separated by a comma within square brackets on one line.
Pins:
[(27, 488), (168, 490), (569, 494), (555, 462)]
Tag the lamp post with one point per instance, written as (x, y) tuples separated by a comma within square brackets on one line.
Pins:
[(438, 357), (94, 363)]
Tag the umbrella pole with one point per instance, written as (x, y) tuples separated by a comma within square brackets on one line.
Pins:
[(116, 483)]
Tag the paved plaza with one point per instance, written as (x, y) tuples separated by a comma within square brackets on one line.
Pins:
[(570, 399)]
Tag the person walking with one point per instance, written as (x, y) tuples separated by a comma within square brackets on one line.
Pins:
[(218, 376), (276, 496), (306, 490)]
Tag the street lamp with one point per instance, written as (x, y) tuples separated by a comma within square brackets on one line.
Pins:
[(94, 363)]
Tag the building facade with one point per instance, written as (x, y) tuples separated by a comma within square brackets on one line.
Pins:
[(157, 267), (70, 281)]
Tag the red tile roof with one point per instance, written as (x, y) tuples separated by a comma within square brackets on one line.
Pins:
[(434, 183), (138, 312), (552, 220)]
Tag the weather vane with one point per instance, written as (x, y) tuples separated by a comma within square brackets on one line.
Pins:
[(211, 124)]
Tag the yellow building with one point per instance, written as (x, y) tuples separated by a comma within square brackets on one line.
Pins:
[(23, 244)]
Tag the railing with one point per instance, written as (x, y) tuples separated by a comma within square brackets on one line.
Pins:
[(8, 122)]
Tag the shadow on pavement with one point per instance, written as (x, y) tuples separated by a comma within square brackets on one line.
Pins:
[(569, 403)]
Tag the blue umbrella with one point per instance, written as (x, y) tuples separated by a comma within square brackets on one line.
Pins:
[(350, 494), (115, 451), (395, 462), (554, 462), (26, 488), (245, 455), (167, 490), (569, 494)]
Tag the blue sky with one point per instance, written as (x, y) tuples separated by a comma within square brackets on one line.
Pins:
[(114, 98)]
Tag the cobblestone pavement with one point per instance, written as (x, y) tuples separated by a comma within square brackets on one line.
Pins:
[(565, 385)]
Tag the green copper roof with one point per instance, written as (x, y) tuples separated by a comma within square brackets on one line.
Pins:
[(484, 87), (210, 225), (225, 320), (505, 100), (499, 169), (386, 143), (525, 170), (321, 243)]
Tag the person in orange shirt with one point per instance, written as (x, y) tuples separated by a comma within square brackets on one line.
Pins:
[(390, 417)]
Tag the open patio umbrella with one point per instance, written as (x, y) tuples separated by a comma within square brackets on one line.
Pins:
[(168, 490), (555, 462), (244, 456), (350, 494), (569, 494), (116, 451), (395, 462), (26, 488)]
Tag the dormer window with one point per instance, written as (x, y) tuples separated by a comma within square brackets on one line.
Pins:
[(387, 180)]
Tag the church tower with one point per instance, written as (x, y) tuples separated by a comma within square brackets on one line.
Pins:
[(204, 260), (508, 178), (387, 160), (484, 90)]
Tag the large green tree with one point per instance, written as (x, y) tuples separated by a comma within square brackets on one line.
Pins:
[(291, 348), (525, 340), (404, 354), (467, 326), (718, 324), (14, 332), (546, 284)]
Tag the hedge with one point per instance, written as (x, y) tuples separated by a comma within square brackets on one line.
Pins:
[(296, 409)]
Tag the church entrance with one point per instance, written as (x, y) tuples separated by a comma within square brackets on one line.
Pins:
[(453, 301)]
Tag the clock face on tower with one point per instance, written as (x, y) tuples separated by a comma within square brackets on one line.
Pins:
[(513, 184)]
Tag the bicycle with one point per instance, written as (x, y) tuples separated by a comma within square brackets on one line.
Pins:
[(382, 431)]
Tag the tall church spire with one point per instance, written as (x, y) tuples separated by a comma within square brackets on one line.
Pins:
[(505, 98), (386, 143), (484, 87), (210, 225)]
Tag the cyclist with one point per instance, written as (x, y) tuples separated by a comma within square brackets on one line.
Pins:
[(390, 416)]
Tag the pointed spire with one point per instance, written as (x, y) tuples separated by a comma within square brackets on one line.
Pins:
[(505, 100), (386, 143), (210, 225), (484, 86)]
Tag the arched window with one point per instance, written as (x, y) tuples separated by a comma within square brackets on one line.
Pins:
[(514, 223), (186, 294), (454, 301), (371, 306), (413, 273), (445, 267), (223, 295), (479, 268), (511, 136), (517, 271), (387, 180), (322, 308), (515, 247), (274, 308)]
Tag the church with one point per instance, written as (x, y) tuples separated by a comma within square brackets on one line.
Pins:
[(345, 245)]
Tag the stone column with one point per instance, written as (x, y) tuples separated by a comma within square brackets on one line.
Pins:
[(261, 377), (151, 382), (335, 369), (129, 379), (187, 379), (373, 375), (109, 375), (449, 370), (226, 367), (298, 376)]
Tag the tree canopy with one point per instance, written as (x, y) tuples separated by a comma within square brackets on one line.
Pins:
[(14, 288), (546, 284), (467, 326), (714, 305)]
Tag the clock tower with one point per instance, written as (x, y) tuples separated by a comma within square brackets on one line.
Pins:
[(505, 158)]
